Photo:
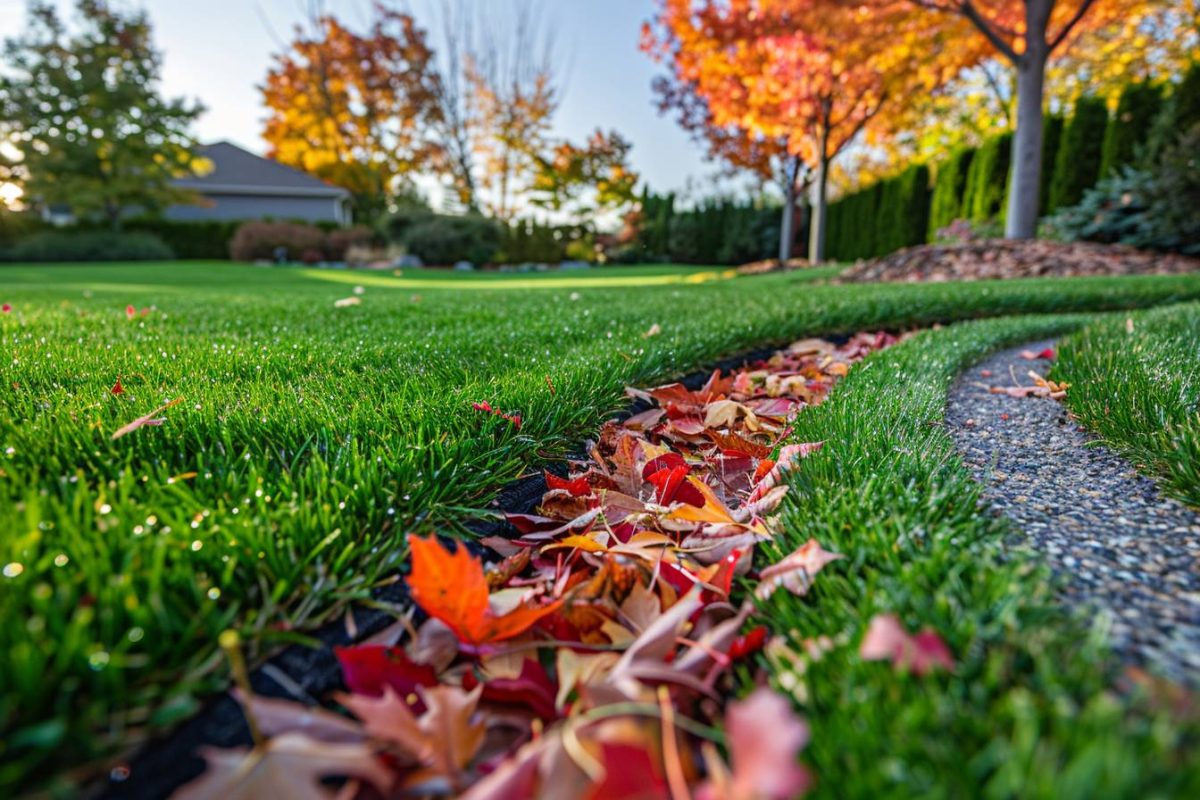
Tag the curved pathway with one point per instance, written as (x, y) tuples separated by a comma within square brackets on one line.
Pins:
[(1123, 549)]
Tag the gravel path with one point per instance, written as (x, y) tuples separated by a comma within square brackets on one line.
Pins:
[(1124, 549)]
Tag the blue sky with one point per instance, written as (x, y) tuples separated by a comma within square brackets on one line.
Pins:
[(218, 50)]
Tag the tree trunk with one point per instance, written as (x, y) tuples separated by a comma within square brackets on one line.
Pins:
[(787, 229), (1022, 217), (819, 206), (112, 210)]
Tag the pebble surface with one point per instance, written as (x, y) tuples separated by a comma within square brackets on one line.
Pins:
[(1123, 549)]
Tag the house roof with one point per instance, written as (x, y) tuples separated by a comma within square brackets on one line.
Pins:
[(238, 171)]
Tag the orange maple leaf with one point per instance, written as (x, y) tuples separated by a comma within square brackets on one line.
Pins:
[(451, 587)]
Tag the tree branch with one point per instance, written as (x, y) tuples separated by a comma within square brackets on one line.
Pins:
[(994, 85), (985, 27), (1084, 5)]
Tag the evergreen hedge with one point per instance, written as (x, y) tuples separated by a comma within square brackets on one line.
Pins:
[(1128, 129), (1077, 165), (1052, 129), (880, 218), (948, 190), (987, 182), (1185, 103)]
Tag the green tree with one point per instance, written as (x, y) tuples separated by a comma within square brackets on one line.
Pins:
[(1077, 167), (1137, 109), (84, 110)]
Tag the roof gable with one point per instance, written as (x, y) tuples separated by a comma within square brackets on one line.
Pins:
[(235, 169)]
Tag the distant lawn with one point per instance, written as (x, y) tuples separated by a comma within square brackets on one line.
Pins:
[(310, 438), (187, 274)]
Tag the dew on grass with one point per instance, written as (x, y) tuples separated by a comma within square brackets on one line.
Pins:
[(214, 593), (98, 660), (61, 560), (196, 545), (135, 634), (13, 569), (106, 509)]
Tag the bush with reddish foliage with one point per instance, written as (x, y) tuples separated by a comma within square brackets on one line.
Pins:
[(338, 242), (257, 241)]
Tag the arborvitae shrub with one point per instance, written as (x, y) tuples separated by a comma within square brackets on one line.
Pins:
[(1052, 128), (918, 196), (1077, 166), (946, 205), (1185, 105), (987, 183), (1128, 129)]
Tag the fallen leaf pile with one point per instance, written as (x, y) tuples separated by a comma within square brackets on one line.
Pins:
[(1040, 387), (592, 658), (991, 259), (773, 265)]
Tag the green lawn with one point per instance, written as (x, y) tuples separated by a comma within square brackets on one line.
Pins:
[(318, 436), (1136, 382)]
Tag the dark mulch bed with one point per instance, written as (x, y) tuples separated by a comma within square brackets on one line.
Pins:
[(993, 259)]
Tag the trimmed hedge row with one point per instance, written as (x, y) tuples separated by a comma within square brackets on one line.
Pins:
[(972, 184), (718, 230), (1077, 166), (62, 246)]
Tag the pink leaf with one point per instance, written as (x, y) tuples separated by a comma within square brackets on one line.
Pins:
[(887, 639), (765, 737)]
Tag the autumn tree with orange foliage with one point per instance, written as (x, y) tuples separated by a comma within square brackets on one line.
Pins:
[(814, 73), (737, 148), (1027, 34), (354, 109)]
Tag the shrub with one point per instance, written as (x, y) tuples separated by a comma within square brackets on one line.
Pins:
[(852, 229), (398, 224), (1185, 102), (1077, 165), (206, 239), (89, 246), (1129, 127), (987, 182), (946, 204), (257, 241), (338, 242), (583, 249), (916, 198), (444, 239), (15, 226), (1180, 112), (1154, 207), (1052, 129)]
